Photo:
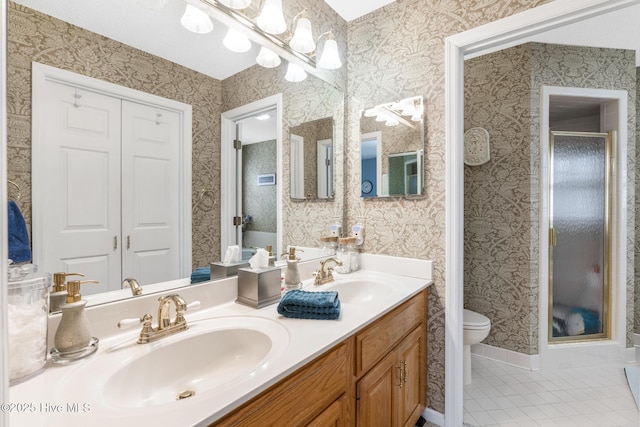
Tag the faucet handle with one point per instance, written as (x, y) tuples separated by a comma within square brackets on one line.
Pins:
[(129, 323), (194, 305)]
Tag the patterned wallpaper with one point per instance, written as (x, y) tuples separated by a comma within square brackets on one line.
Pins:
[(309, 100), (397, 52), (33, 36), (259, 201), (637, 205), (502, 92)]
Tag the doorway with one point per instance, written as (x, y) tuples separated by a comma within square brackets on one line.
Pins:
[(240, 124)]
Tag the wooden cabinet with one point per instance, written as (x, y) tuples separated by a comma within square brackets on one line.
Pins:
[(393, 392), (376, 377)]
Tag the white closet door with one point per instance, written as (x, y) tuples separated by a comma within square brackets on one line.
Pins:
[(78, 185), (150, 190)]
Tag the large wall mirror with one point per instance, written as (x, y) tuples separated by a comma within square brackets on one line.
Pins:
[(392, 149), (82, 37)]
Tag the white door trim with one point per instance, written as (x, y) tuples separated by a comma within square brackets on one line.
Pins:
[(42, 73), (324, 189), (482, 40), (228, 173)]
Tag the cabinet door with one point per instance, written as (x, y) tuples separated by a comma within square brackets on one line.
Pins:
[(377, 394), (333, 416), (411, 404)]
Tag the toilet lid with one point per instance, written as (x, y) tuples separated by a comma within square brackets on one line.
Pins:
[(473, 320)]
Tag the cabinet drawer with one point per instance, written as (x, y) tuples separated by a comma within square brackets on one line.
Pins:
[(375, 341), (300, 397)]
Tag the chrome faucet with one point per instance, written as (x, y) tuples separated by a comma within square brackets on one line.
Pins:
[(132, 283), (325, 273), (165, 327)]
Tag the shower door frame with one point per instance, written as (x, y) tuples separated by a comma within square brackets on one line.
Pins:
[(614, 349), (607, 244)]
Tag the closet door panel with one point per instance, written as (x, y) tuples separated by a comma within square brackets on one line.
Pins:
[(150, 194), (76, 224)]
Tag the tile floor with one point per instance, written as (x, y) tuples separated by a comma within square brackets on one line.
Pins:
[(507, 396)]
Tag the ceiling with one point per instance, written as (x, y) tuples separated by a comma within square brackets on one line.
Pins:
[(128, 23)]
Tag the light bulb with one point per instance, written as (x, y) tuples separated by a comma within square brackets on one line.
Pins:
[(268, 58), (196, 20), (302, 40), (236, 4), (330, 58), (371, 112), (235, 41), (295, 73), (271, 19), (392, 121)]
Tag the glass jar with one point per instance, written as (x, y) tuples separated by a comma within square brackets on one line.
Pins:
[(343, 255), (328, 245), (354, 254), (28, 314)]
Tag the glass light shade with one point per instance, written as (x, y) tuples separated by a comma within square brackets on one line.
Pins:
[(330, 58), (417, 117), (235, 41), (196, 20), (371, 112), (392, 122), (236, 4), (271, 19), (302, 40), (381, 117), (409, 109), (152, 4), (267, 58), (295, 73)]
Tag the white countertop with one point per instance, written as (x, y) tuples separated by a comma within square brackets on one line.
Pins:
[(48, 400)]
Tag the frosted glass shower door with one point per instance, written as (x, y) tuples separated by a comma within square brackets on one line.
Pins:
[(579, 238)]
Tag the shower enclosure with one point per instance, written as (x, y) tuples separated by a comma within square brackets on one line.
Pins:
[(580, 236)]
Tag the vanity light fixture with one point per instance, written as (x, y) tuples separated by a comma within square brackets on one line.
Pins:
[(271, 18), (195, 20), (394, 113), (235, 41), (267, 58), (330, 58), (302, 40), (236, 4), (152, 4), (295, 73), (392, 121)]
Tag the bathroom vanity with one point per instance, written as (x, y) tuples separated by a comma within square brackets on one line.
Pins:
[(236, 365)]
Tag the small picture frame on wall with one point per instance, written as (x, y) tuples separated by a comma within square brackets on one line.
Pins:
[(267, 179)]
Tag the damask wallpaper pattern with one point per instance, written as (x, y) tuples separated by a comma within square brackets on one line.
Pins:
[(502, 93), (33, 36)]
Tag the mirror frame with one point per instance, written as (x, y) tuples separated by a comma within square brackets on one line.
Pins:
[(497, 35), (4, 251)]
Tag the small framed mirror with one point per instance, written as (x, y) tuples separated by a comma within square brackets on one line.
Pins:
[(392, 149), (312, 175)]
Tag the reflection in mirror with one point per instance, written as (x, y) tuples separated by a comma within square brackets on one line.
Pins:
[(392, 149), (312, 160), (38, 30)]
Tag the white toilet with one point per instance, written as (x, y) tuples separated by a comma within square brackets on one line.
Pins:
[(476, 328)]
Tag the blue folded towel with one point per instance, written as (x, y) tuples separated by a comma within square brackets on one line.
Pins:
[(201, 274), (19, 246), (323, 305)]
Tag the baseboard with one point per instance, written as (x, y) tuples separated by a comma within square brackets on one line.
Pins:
[(521, 360), (434, 417)]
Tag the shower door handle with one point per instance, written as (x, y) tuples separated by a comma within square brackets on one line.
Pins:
[(552, 237)]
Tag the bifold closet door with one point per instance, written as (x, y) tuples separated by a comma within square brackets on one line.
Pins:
[(150, 208), (76, 184)]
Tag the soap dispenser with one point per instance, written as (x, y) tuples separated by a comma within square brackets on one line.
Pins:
[(59, 291), (292, 275), (272, 258), (73, 339)]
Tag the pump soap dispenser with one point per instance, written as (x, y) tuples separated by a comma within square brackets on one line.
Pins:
[(59, 292), (292, 275), (73, 340)]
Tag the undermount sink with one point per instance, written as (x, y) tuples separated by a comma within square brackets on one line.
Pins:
[(211, 355)]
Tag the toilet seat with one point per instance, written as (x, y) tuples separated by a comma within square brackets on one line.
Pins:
[(472, 320)]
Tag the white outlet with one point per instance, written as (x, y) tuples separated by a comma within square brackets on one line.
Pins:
[(357, 231), (335, 230)]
